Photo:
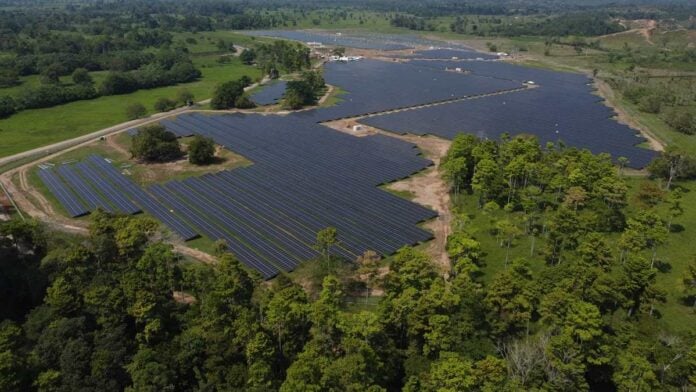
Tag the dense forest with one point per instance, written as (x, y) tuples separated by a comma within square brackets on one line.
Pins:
[(122, 310)]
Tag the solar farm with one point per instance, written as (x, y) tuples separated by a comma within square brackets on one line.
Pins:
[(306, 176), (269, 94)]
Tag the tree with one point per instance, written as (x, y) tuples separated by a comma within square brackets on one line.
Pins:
[(634, 373), (326, 239), (7, 106), (338, 51), (201, 150), (164, 104), (368, 270), (244, 102), (226, 94), (135, 111), (82, 76), (689, 282), (153, 143), (247, 56), (185, 97), (51, 74), (149, 373), (510, 300), (451, 373)]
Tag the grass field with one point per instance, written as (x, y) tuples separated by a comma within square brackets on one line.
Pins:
[(38, 127)]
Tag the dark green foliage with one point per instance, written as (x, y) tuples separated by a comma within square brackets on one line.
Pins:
[(681, 119), (164, 104), (201, 150), (7, 106), (243, 102), (247, 56), (82, 76), (135, 111), (299, 93), (226, 94), (282, 55), (153, 143)]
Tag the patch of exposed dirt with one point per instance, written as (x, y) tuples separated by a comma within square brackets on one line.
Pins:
[(428, 188)]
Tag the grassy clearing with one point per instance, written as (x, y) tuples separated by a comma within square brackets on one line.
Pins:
[(38, 127)]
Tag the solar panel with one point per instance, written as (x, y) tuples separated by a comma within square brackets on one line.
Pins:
[(60, 191)]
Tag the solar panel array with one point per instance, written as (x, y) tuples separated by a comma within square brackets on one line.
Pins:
[(269, 94), (562, 108), (447, 54), (375, 86), (305, 178), (95, 183)]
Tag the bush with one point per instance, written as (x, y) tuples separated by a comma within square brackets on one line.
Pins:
[(681, 120), (201, 150), (243, 102), (135, 111), (155, 144), (247, 56), (185, 97), (82, 76), (164, 104), (7, 106), (650, 104)]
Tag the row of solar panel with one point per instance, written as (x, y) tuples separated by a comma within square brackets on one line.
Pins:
[(269, 94), (80, 189), (86, 186), (305, 177)]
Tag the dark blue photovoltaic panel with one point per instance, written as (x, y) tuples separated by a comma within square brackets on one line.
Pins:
[(92, 198), (451, 54), (374, 86), (65, 196), (562, 107), (148, 203), (270, 94), (305, 177), (114, 195)]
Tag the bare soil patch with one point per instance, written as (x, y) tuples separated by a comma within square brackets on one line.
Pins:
[(428, 188)]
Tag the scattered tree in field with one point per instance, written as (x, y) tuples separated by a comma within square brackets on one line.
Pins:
[(201, 150), (226, 94), (153, 143), (164, 104), (247, 56), (185, 97), (135, 111)]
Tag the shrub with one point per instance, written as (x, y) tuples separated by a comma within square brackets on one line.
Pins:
[(135, 111), (243, 102), (185, 97), (681, 120), (650, 104), (82, 76), (201, 150), (165, 104), (7, 106)]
